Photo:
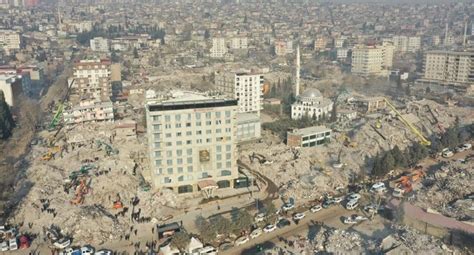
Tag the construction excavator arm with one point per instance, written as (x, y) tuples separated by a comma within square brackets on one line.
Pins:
[(413, 129)]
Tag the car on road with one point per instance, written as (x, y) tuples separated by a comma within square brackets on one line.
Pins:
[(353, 219), (338, 200), (256, 233), (288, 206), (283, 223), (62, 243), (269, 228), (467, 146), (259, 217), (241, 240), (298, 216), (103, 252), (378, 187), (316, 208), (70, 251)]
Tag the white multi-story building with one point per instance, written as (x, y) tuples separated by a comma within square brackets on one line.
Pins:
[(192, 142), (449, 67), (246, 87), (92, 79), (89, 111), (312, 105), (372, 60), (219, 48), (99, 44), (9, 40), (10, 85), (342, 53), (239, 43), (283, 47), (406, 43)]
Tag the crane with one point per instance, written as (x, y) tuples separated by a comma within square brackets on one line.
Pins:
[(413, 129), (60, 108)]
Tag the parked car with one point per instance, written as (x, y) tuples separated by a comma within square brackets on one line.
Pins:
[(467, 146), (87, 250), (338, 200), (353, 196), (70, 251), (225, 246), (460, 148), (359, 218), (256, 233), (208, 250), (349, 220), (378, 187), (352, 204), (103, 252), (241, 240), (62, 243), (370, 208), (283, 223), (269, 228), (288, 206), (4, 246), (316, 208), (446, 153), (328, 202), (259, 217), (298, 216), (13, 244)]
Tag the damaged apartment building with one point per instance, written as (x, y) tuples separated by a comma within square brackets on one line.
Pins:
[(91, 90)]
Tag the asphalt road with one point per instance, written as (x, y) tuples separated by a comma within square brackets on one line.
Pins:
[(267, 239)]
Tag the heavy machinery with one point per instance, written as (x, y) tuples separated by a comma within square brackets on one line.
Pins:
[(108, 148), (405, 183), (261, 159), (348, 142), (118, 202), (51, 152), (378, 123), (60, 108), (81, 190), (413, 129)]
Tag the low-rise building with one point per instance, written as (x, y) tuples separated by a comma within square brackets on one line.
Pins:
[(248, 127), (89, 111), (308, 137), (99, 44)]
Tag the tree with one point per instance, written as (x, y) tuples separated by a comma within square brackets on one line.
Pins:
[(399, 157), (207, 35), (206, 229), (6, 119), (221, 224), (181, 240), (241, 220)]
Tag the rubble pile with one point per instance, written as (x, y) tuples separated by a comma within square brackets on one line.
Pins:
[(447, 190), (113, 174), (344, 241), (419, 242)]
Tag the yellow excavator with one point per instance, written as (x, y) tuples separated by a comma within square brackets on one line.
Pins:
[(413, 129)]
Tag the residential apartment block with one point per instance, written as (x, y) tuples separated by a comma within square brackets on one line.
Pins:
[(308, 137), (192, 142), (237, 43), (406, 43), (89, 111), (372, 60), (219, 48), (450, 67), (92, 79), (9, 40), (99, 44), (11, 86), (283, 47), (245, 86)]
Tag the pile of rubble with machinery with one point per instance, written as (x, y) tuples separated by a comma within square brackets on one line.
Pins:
[(103, 183), (307, 173)]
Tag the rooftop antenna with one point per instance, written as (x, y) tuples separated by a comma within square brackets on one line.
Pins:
[(297, 92)]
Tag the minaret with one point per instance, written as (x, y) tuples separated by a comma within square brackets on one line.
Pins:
[(297, 92), (464, 39), (446, 35)]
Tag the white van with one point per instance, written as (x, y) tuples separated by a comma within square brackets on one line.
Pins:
[(352, 204), (379, 187)]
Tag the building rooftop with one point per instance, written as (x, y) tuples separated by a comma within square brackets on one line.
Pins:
[(310, 130), (186, 99), (247, 117)]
